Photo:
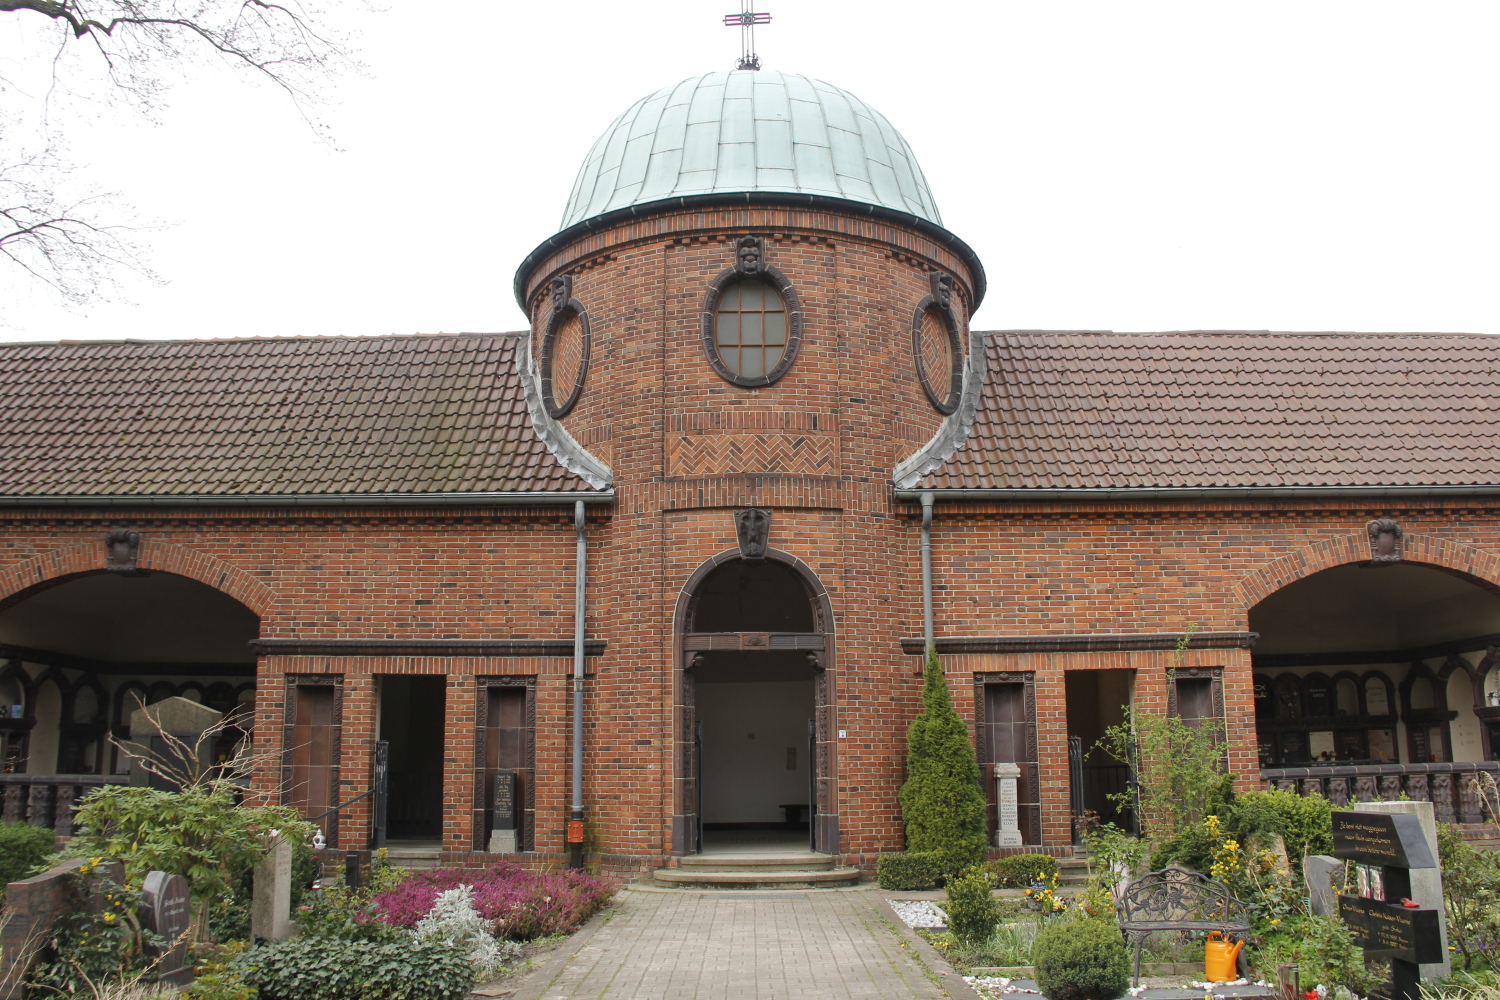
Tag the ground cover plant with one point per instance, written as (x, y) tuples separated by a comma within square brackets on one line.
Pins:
[(520, 904)]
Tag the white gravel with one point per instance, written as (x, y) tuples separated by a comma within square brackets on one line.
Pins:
[(919, 912)]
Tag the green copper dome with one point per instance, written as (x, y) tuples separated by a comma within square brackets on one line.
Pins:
[(744, 131)]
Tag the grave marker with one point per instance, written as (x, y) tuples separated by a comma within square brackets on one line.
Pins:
[(503, 826), (1318, 872), (1008, 801), (1387, 922), (271, 896), (166, 909)]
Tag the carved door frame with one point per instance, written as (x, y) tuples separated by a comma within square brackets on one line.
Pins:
[(688, 648), (1027, 679)]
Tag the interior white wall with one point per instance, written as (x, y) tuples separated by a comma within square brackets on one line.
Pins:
[(748, 728), (41, 755), (1464, 729)]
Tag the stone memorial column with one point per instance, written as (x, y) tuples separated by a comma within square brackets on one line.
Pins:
[(271, 900), (1007, 776)]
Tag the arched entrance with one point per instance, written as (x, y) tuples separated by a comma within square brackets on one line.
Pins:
[(753, 709), (1377, 664), (81, 654)]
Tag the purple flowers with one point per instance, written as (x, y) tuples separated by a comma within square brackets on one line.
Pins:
[(520, 904)]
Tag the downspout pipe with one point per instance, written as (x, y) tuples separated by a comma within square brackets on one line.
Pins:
[(575, 819), (927, 502)]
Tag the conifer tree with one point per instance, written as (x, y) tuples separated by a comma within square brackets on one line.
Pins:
[(942, 802)]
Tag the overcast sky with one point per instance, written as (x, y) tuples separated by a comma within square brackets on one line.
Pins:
[(1127, 165)]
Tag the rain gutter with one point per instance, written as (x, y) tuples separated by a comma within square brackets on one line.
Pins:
[(927, 503), (575, 824), (1196, 493), (608, 220), (314, 499)]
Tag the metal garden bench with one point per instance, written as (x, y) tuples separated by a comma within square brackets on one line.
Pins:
[(1174, 899)]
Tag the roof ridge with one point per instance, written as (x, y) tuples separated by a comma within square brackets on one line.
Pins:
[(1228, 333), (301, 337)]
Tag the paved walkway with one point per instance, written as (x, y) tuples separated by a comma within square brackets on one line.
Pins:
[(685, 945)]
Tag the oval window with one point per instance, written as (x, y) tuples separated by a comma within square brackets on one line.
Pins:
[(938, 356), (565, 360), (750, 329)]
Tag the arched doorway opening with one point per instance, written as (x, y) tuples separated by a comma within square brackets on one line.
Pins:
[(80, 655), (753, 691), (1388, 664)]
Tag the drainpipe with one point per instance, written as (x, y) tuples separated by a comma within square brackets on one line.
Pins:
[(927, 641), (575, 821)]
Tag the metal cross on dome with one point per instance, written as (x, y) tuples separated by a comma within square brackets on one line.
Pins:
[(746, 20)]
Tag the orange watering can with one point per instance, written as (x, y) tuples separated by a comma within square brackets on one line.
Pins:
[(1218, 957)]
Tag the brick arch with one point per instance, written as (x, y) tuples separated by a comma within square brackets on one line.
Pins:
[(1474, 564), (60, 565)]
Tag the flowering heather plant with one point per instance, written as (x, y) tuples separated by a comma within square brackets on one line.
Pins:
[(519, 904)]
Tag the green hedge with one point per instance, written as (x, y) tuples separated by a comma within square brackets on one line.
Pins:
[(1018, 871), (911, 870), (22, 848), (1081, 959)]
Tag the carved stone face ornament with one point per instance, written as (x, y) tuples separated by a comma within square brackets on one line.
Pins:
[(942, 289), (1385, 541), (121, 545), (752, 527), (562, 291), (749, 254)]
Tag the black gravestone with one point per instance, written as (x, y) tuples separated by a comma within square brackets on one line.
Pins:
[(165, 909), (1388, 928), (505, 799)]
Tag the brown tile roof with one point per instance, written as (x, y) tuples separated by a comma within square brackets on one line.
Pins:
[(417, 414), (1121, 410)]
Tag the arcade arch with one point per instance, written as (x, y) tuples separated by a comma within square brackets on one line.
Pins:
[(754, 691), (1378, 664), (80, 654)]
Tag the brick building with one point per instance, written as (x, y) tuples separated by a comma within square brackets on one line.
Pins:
[(703, 480)]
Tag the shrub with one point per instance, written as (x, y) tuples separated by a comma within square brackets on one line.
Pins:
[(22, 848), (521, 904), (453, 921), (322, 967), (1471, 892), (970, 907), (908, 870), (1018, 871), (1303, 822), (1323, 948), (1081, 959), (942, 803)]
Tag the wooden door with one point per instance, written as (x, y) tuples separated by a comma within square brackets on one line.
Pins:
[(313, 762)]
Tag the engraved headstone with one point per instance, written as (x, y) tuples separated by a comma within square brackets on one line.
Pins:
[(271, 897), (165, 910), (503, 826), (1319, 871), (1008, 800), (1426, 882), (1394, 845), (186, 721)]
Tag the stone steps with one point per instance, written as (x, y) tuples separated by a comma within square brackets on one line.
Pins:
[(756, 871), (414, 858)]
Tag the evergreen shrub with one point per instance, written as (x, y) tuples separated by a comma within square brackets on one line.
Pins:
[(1018, 871), (1083, 959), (972, 915), (942, 802), (908, 870), (22, 848), (1303, 822)]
